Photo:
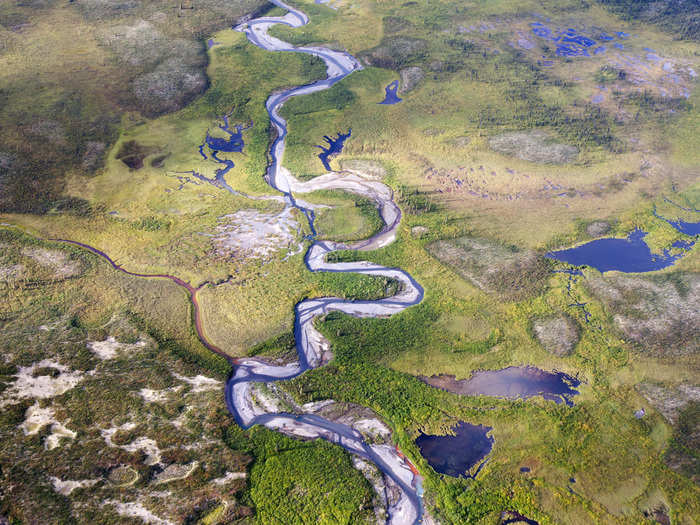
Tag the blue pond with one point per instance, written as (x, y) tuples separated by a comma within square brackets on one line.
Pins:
[(335, 146), (684, 227), (456, 455), (214, 145), (391, 96), (629, 255), (233, 144), (570, 42)]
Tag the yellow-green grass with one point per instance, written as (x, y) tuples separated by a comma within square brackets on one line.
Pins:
[(354, 27), (260, 305), (190, 209), (535, 432), (347, 218), (160, 304), (453, 105), (684, 138), (394, 135)]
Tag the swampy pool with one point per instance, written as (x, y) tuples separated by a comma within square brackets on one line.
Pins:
[(456, 455), (681, 226), (513, 382)]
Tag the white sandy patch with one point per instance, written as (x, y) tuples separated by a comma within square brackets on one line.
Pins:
[(65, 487), (157, 396), (58, 431), (137, 510), (175, 472), (315, 406), (252, 233), (160, 494), (147, 445), (109, 348), (372, 427), (299, 429), (107, 433), (180, 420), (37, 418), (11, 273), (200, 383), (41, 387), (230, 476), (57, 260), (200, 444)]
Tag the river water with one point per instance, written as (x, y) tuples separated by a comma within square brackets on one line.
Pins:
[(312, 348)]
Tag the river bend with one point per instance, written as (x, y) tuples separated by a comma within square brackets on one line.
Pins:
[(312, 348)]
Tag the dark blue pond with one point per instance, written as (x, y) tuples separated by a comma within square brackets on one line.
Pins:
[(523, 382), (231, 144), (335, 146), (629, 255), (456, 455), (391, 94)]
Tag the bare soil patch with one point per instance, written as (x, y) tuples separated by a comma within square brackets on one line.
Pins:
[(659, 313), (508, 272), (533, 146), (558, 334)]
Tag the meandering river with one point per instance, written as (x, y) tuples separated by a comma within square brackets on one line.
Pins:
[(313, 349)]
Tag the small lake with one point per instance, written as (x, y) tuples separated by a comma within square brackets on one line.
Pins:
[(456, 455), (630, 255), (232, 144), (684, 227), (391, 94), (335, 146), (512, 383)]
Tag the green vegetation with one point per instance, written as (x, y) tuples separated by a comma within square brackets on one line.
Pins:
[(683, 453), (57, 322), (299, 485), (349, 217), (72, 74), (679, 17), (93, 152)]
